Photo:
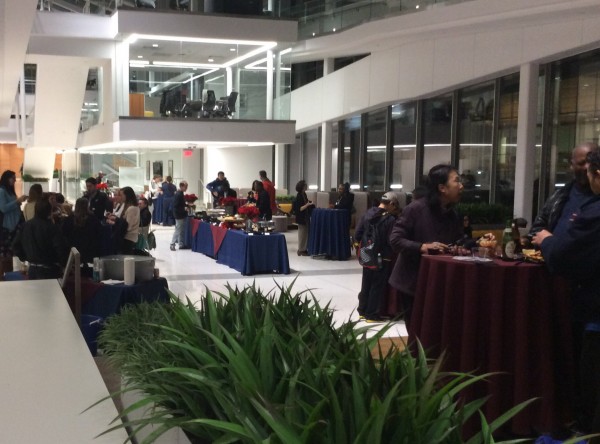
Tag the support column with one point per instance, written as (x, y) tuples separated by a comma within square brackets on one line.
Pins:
[(280, 176), (327, 66), (525, 155), (326, 156), (269, 94)]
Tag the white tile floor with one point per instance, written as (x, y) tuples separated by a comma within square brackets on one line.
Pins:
[(337, 282)]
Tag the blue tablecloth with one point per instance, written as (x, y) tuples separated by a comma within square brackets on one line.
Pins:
[(329, 233), (254, 254), (203, 241), (108, 299)]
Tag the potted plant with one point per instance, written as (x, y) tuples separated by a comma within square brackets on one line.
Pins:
[(252, 367)]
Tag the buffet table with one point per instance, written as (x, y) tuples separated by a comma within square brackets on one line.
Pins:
[(329, 233), (48, 374), (248, 254), (507, 317)]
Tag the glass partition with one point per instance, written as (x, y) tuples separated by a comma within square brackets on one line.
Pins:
[(437, 130), (350, 150), (375, 140), (91, 110), (404, 133), (475, 128)]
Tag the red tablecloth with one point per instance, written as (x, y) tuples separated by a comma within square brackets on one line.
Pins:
[(218, 234), (501, 317)]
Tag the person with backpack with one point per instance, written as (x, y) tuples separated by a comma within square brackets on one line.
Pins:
[(376, 255)]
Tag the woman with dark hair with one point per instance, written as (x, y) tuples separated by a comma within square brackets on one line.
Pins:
[(263, 201), (345, 199), (12, 218), (426, 226), (127, 227), (35, 195), (302, 208), (84, 231)]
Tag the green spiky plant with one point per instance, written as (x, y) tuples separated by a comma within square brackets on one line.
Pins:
[(250, 367)]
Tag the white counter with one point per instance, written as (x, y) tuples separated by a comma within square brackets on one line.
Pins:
[(47, 374)]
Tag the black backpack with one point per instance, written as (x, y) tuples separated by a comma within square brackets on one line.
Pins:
[(371, 245)]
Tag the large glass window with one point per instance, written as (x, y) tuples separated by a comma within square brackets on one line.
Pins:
[(310, 149), (375, 139), (350, 150), (507, 140), (475, 122), (437, 131), (404, 146)]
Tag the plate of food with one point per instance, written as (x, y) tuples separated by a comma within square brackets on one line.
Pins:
[(531, 255)]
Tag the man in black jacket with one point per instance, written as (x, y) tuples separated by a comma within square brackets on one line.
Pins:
[(98, 201), (566, 200), (218, 188), (180, 213), (375, 278), (41, 242)]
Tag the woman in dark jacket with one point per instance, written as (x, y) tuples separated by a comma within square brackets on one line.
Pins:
[(84, 231), (426, 226), (302, 208), (345, 200), (263, 201)]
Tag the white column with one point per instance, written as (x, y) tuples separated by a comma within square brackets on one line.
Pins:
[(326, 156), (327, 66), (269, 92), (121, 79), (280, 177), (228, 81), (526, 126)]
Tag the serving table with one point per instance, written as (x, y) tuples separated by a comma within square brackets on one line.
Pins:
[(510, 318), (329, 233), (247, 253), (48, 374)]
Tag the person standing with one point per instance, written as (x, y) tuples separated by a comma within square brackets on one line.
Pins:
[(345, 200), (262, 201), (35, 195), (557, 210), (10, 210), (180, 213), (425, 227), (83, 231), (42, 244), (575, 254), (302, 208), (377, 222), (270, 189), (218, 188), (98, 201), (168, 192), (154, 188), (127, 226)]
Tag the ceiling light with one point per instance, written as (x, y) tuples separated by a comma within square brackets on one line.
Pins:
[(314, 34), (182, 64), (140, 57), (210, 59), (333, 29), (233, 49), (417, 7), (155, 45), (168, 38)]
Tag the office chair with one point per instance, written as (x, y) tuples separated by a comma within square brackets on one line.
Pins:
[(226, 106), (194, 109), (208, 107)]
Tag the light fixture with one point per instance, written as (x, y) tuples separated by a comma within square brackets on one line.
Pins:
[(354, 186), (140, 57), (333, 29), (396, 186), (232, 49), (155, 45), (210, 59), (313, 187), (314, 34), (417, 7), (182, 64)]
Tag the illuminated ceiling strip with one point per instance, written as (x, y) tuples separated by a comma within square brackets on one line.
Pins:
[(186, 65), (135, 37), (252, 53), (200, 75)]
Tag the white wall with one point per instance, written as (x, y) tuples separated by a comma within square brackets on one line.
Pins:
[(435, 59), (240, 165)]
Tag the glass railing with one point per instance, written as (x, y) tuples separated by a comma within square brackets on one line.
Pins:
[(315, 17)]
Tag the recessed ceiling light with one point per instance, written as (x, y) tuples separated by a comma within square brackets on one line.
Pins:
[(232, 49), (417, 7), (140, 57), (333, 29), (314, 34), (210, 60), (155, 45)]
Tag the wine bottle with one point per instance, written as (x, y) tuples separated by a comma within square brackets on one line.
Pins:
[(508, 244)]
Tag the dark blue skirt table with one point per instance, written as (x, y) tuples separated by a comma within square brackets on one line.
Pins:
[(253, 254), (202, 241), (329, 233)]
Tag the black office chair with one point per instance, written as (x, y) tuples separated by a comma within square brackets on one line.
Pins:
[(208, 107), (226, 106), (194, 109)]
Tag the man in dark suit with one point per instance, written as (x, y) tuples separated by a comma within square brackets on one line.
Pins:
[(98, 201)]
